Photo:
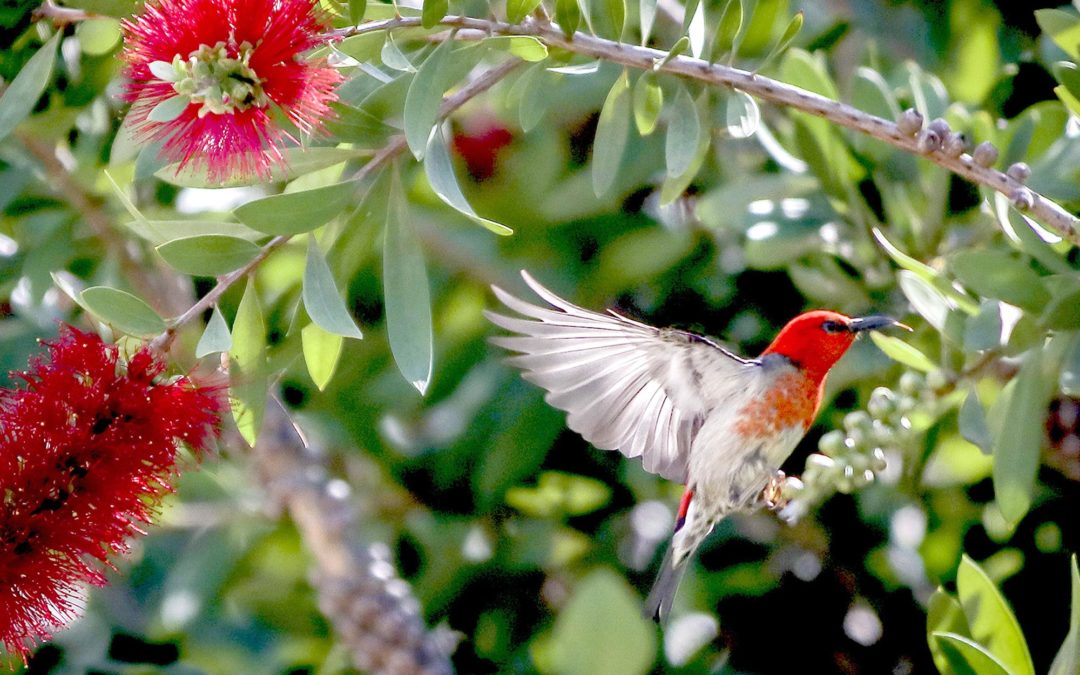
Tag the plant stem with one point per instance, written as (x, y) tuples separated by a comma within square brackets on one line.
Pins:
[(1041, 208)]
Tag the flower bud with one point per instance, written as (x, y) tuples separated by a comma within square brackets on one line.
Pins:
[(857, 419), (985, 154), (940, 127), (911, 382), (832, 444), (882, 403), (1019, 172), (955, 144), (929, 141), (910, 122)]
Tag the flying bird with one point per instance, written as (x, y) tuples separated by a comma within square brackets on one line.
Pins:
[(693, 411)]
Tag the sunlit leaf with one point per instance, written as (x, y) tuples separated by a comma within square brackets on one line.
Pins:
[(741, 114), (683, 131), (524, 47), (647, 14), (1067, 661), (992, 623), (944, 615), (902, 352), (967, 656), (122, 311), (248, 378), (1063, 28), (648, 102), (926, 300), (408, 301), (611, 135), (322, 351)]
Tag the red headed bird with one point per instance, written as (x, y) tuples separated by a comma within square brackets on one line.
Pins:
[(693, 411)]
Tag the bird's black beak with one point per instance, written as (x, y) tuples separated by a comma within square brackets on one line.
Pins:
[(865, 323)]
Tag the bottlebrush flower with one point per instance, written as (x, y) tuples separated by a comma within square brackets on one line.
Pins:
[(87, 449), (208, 76)]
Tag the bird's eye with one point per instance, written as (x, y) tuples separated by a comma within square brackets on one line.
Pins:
[(833, 327)]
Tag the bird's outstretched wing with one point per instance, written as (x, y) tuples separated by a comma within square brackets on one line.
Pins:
[(625, 385)]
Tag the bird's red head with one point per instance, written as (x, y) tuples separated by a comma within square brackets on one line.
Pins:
[(816, 340)]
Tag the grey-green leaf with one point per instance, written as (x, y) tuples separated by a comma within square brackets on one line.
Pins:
[(208, 255), (440, 174), (23, 93), (296, 212), (972, 423), (322, 300), (997, 274), (647, 14), (611, 135), (433, 12), (741, 115), (216, 337), (122, 310), (792, 30), (1016, 452), (424, 98), (169, 109), (516, 10), (408, 300), (683, 133), (727, 30)]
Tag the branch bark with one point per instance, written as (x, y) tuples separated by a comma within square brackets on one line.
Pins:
[(1045, 210)]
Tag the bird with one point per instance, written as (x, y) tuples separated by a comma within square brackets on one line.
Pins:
[(693, 411)]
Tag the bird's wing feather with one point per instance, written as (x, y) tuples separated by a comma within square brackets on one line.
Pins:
[(625, 385)]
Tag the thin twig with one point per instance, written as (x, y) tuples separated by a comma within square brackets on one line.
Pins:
[(167, 292), (61, 16), (392, 149), (1043, 209)]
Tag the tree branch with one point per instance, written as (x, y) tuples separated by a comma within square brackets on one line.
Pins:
[(396, 146), (1043, 209), (61, 16)]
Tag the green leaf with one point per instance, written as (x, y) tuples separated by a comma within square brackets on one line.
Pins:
[(648, 102), (322, 300), (683, 133), (297, 162), (944, 615), (967, 657), (741, 114), (1063, 310), (122, 311), (1067, 661), (1062, 27), (98, 37), (23, 92), (535, 99), (433, 12), (727, 30), (568, 15), (248, 377), (585, 640), (904, 260), (296, 212), (356, 11), (524, 47), (611, 135), (158, 232), (517, 10), (559, 493), (322, 351), (208, 255), (1016, 452), (440, 174), (677, 49), (675, 186), (424, 98), (972, 423), (997, 274), (901, 352), (790, 33), (992, 622), (616, 16), (405, 287), (1068, 75), (215, 338), (1070, 371), (392, 56)]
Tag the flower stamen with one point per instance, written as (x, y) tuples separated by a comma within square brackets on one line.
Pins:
[(216, 82)]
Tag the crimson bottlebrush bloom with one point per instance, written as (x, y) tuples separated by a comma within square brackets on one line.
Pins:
[(87, 449), (207, 78)]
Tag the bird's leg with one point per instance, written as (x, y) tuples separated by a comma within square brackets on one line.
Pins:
[(772, 495)]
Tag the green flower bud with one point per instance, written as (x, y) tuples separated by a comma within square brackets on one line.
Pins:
[(882, 403), (911, 382), (832, 444)]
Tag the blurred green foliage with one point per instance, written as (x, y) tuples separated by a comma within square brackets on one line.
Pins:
[(706, 212)]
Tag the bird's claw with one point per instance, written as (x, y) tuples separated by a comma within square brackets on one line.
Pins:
[(772, 495)]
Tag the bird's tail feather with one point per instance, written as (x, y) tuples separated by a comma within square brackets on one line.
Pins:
[(662, 596)]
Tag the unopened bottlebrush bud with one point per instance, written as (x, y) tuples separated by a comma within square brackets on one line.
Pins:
[(985, 154), (939, 126), (1019, 172), (910, 122), (955, 144), (929, 141), (1023, 198)]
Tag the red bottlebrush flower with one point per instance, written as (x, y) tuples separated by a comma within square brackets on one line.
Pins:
[(87, 449), (479, 145), (206, 76)]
